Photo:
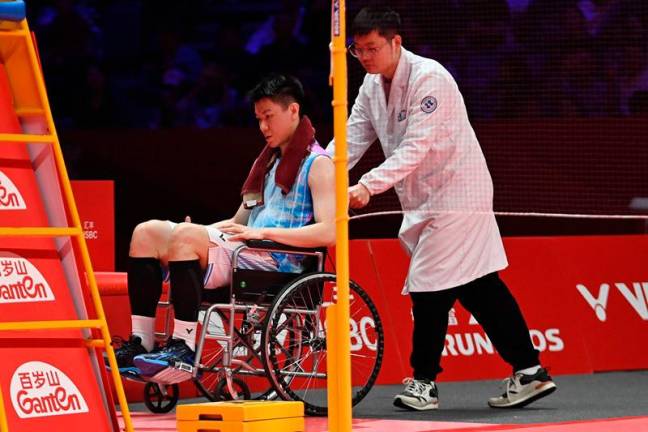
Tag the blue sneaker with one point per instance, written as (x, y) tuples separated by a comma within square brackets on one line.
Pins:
[(126, 352), (176, 354)]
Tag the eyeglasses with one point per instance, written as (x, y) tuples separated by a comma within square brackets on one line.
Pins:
[(369, 52)]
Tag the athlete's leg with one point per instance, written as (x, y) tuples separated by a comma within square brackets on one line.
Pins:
[(148, 249), (188, 252)]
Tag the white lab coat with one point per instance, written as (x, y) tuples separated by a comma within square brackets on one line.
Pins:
[(436, 166)]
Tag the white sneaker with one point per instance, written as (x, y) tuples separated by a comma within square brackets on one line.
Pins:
[(418, 395), (521, 390)]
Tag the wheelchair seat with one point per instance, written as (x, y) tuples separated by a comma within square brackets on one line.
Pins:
[(260, 286)]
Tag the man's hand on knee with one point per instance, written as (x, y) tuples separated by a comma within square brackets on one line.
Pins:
[(240, 232)]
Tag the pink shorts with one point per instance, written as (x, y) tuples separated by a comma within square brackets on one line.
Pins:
[(218, 273)]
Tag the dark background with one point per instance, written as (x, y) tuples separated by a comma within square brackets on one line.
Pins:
[(152, 95), (585, 166)]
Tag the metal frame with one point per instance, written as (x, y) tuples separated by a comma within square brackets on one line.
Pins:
[(231, 309), (30, 65)]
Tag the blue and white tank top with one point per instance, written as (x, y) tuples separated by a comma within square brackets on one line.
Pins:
[(292, 210)]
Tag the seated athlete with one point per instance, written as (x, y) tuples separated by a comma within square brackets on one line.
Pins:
[(288, 197)]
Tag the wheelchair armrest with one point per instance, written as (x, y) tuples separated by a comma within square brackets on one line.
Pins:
[(270, 245)]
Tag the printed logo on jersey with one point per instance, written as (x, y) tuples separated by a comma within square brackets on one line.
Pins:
[(10, 197), (21, 282), (429, 104), (39, 389)]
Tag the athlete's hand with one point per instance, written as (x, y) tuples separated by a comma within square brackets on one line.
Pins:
[(359, 196), (240, 232)]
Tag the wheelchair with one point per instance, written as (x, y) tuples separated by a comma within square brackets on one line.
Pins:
[(265, 337)]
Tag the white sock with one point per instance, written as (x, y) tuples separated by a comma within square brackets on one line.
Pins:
[(529, 371), (144, 327), (185, 330)]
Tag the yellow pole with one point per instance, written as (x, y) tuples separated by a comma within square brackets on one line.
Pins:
[(26, 138), (50, 325), (83, 248), (332, 377), (341, 416), (39, 232), (4, 426)]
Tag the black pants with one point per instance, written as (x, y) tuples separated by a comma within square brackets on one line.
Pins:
[(491, 303)]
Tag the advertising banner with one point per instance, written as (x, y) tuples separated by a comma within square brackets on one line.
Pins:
[(95, 200), (50, 389), (584, 300)]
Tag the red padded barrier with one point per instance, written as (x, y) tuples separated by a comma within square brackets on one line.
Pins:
[(547, 275)]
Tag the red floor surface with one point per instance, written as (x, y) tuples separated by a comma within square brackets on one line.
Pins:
[(145, 422)]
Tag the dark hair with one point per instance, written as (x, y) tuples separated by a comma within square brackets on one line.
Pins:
[(384, 20), (281, 89)]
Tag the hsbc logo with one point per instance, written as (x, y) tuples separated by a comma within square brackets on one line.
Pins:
[(21, 282), (636, 297), (10, 197), (39, 389)]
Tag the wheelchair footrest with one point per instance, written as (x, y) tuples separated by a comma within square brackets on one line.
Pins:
[(132, 374), (178, 373), (241, 416)]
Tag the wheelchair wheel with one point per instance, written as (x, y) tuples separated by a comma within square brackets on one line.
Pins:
[(295, 341), (246, 350), (160, 400), (223, 393)]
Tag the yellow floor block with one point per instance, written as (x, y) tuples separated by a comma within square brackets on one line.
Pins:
[(291, 424), (241, 416)]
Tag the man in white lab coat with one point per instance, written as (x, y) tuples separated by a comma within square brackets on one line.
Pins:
[(435, 164)]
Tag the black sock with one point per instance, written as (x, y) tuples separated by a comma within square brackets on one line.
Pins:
[(144, 285), (186, 288)]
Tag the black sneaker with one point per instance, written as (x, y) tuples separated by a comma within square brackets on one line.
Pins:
[(521, 390), (176, 354), (127, 352), (419, 395)]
